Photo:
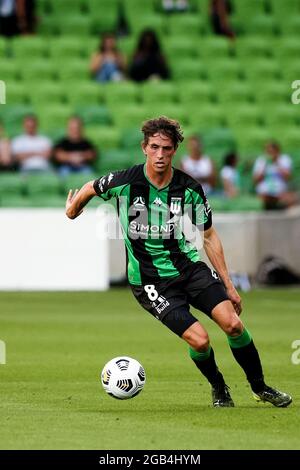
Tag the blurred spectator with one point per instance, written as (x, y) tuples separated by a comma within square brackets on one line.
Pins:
[(74, 153), (148, 60), (271, 173), (26, 16), (5, 151), (32, 151), (175, 5), (230, 176), (9, 18), (219, 13), (198, 165), (108, 64)]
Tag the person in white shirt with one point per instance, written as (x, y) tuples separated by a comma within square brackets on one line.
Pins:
[(198, 165), (32, 151), (271, 174), (230, 176)]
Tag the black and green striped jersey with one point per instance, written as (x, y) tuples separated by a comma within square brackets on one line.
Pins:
[(151, 221)]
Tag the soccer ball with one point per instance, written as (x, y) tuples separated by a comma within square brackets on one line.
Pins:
[(123, 377)]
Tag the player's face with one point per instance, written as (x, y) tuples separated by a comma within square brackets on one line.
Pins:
[(159, 151)]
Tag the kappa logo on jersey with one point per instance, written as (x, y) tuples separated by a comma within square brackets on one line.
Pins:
[(101, 183), (157, 201), (110, 177), (214, 274), (139, 201), (175, 206)]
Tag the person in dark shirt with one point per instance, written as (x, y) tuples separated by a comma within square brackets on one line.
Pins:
[(219, 12), (74, 153), (148, 60)]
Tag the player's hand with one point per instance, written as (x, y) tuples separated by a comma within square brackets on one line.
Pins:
[(235, 299), (70, 200)]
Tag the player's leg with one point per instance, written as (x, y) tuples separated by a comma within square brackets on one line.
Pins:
[(203, 357), (246, 354)]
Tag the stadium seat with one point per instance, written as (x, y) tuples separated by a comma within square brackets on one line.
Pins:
[(53, 116), (256, 47), (11, 184), (47, 184), (132, 115), (86, 93), (47, 92), (287, 114), (206, 116), (225, 70), (213, 48), (188, 69), (123, 93), (94, 115), (71, 69), (258, 70), (236, 92), (181, 24), (139, 23), (164, 92), (17, 94), (290, 26), (281, 10), (30, 46), (12, 115), (40, 69), (10, 71), (196, 92), (131, 138), (273, 92), (180, 46), (66, 47), (245, 114), (245, 9), (251, 140), (264, 25), (104, 137), (115, 159)]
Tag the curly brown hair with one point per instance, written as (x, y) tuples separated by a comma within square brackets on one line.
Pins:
[(164, 125)]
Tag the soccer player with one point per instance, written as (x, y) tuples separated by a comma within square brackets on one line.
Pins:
[(164, 270)]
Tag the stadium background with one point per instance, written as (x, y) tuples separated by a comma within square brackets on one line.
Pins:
[(237, 94)]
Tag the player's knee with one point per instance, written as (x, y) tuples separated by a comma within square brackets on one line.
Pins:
[(198, 342), (234, 327)]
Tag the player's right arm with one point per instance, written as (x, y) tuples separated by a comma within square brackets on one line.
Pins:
[(77, 200)]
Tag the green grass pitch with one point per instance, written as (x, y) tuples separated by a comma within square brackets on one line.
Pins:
[(57, 344)]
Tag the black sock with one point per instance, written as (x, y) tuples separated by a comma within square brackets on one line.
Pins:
[(248, 358), (209, 369)]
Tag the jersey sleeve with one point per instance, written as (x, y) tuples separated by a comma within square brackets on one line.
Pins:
[(201, 210), (110, 185)]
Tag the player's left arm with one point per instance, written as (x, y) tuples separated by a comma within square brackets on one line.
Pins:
[(214, 250), (77, 200)]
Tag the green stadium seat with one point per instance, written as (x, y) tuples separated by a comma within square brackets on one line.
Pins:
[(282, 115), (225, 70), (180, 46), (282, 9), (163, 91), (206, 116), (53, 116), (9, 69), (290, 26), (139, 23), (251, 139), (76, 181), (115, 159), (86, 93), (188, 69), (66, 47), (103, 137), (214, 48), (43, 184), (40, 69), (130, 116), (94, 115), (65, 8), (127, 46), (17, 93), (183, 24), (47, 92), (256, 47), (72, 69), (173, 111), (124, 92), (131, 138), (258, 70), (47, 200), (74, 24), (264, 25), (246, 9), (14, 201), (273, 92), (11, 184), (245, 114), (287, 49), (290, 139), (30, 46), (12, 115), (236, 92), (196, 92)]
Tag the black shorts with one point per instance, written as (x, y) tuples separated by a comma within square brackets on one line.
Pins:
[(169, 301)]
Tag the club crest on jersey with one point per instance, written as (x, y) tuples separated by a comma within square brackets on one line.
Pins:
[(157, 201), (175, 206), (139, 201)]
